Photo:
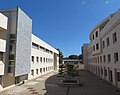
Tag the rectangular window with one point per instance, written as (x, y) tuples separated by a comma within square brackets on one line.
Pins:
[(36, 71), (32, 72), (40, 70), (105, 72), (44, 59), (1, 56), (96, 33), (108, 42), (104, 58), (37, 59), (41, 59), (11, 57), (97, 46), (114, 37), (118, 76), (103, 44), (93, 36), (100, 59), (109, 58), (115, 57), (93, 48), (101, 70), (33, 59)]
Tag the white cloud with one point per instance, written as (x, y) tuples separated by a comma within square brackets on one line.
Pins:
[(106, 2)]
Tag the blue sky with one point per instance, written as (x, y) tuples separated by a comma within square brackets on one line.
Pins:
[(64, 24)]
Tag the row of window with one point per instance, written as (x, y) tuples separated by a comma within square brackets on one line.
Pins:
[(95, 35), (97, 47), (99, 70), (36, 46), (41, 70), (40, 59), (108, 40), (108, 57)]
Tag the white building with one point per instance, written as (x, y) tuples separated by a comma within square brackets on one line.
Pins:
[(104, 49), (23, 56)]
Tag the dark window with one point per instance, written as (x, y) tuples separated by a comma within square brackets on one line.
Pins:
[(114, 37), (41, 59), (1, 56), (11, 57), (93, 48), (36, 71), (13, 36), (44, 59), (37, 59), (97, 46), (96, 33), (33, 59), (115, 57), (118, 76), (40, 70), (93, 36), (100, 59), (105, 72), (104, 58), (32, 72), (109, 58), (101, 70), (103, 44), (108, 42)]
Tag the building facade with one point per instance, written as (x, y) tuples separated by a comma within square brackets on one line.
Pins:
[(18, 46), (104, 49)]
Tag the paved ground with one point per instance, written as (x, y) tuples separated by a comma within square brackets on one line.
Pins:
[(46, 85)]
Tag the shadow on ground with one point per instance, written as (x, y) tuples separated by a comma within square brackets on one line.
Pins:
[(91, 85)]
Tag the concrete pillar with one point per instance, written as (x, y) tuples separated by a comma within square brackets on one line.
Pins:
[(114, 76)]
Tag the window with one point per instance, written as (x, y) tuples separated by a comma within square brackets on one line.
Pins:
[(33, 59), (97, 46), (105, 72), (118, 76), (115, 57), (1, 56), (96, 33), (32, 72), (108, 42), (44, 59), (109, 58), (114, 37), (93, 36), (43, 69), (11, 57), (101, 70), (103, 44), (40, 70), (104, 58), (37, 59), (46, 68), (41, 59), (100, 59), (36, 71), (93, 48)]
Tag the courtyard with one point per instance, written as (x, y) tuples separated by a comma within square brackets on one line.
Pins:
[(48, 85)]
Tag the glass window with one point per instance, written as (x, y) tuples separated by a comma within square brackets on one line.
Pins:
[(37, 59), (96, 33), (114, 37), (33, 59), (97, 46), (93, 48), (103, 44), (93, 36), (36, 71), (109, 58), (100, 59), (108, 42), (1, 56), (118, 76), (115, 57), (104, 58)]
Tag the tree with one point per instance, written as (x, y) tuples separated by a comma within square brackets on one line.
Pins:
[(73, 57), (80, 56), (60, 56)]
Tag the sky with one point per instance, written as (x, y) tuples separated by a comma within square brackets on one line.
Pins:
[(64, 24)]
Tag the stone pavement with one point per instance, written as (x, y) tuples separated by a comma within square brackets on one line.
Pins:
[(46, 85)]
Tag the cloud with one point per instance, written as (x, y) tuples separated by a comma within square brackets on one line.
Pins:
[(106, 2)]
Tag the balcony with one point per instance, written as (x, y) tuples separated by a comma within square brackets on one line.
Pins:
[(2, 45), (3, 22), (1, 68)]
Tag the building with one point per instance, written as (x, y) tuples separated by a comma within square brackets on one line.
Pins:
[(21, 52), (85, 55), (104, 49)]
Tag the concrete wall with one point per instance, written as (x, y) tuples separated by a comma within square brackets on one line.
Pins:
[(23, 44)]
